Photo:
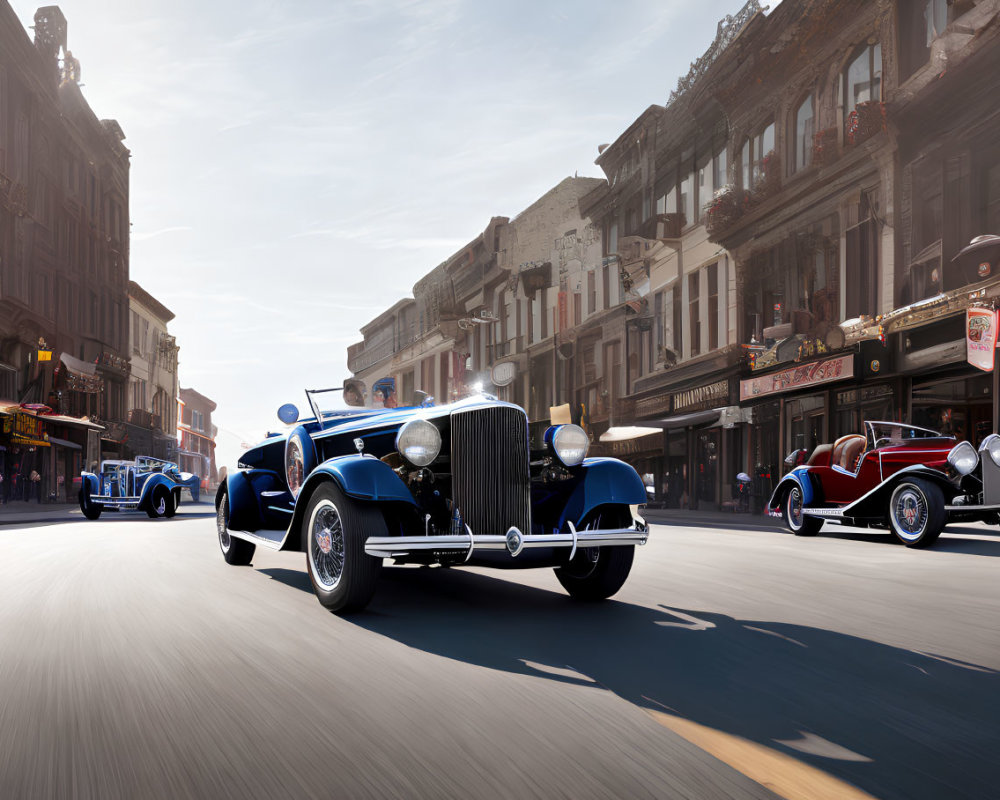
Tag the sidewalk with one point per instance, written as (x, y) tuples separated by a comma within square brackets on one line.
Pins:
[(23, 513), (20, 512)]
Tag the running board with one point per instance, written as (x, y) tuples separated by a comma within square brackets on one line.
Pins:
[(825, 513), (272, 540)]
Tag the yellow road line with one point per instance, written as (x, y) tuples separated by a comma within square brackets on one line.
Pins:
[(783, 774)]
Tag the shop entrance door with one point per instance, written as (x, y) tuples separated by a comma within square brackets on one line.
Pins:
[(707, 469)]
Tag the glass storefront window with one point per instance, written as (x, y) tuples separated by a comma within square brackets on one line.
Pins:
[(957, 407)]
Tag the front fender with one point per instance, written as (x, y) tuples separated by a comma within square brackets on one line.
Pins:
[(876, 502), (797, 477), (154, 480), (606, 481), (90, 483), (360, 477)]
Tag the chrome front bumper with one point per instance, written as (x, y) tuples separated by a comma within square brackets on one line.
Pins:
[(513, 542)]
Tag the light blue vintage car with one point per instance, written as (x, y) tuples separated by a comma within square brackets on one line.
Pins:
[(452, 485), (146, 484)]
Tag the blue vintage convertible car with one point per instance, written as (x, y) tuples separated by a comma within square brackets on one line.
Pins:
[(451, 485), (146, 484)]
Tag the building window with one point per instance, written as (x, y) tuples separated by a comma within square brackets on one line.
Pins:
[(713, 306), (666, 194), (694, 311), (863, 78), (720, 171), (606, 285), (611, 239), (687, 198), (591, 292), (658, 320), (754, 156), (861, 242), (803, 134), (677, 329), (920, 23)]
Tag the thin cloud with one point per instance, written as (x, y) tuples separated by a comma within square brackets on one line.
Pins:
[(141, 237)]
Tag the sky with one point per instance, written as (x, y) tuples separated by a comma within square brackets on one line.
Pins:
[(298, 166)]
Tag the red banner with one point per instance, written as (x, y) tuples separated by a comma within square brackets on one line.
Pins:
[(981, 337)]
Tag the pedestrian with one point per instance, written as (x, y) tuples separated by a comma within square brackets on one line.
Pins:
[(36, 485)]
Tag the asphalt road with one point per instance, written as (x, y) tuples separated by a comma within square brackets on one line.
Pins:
[(751, 664)]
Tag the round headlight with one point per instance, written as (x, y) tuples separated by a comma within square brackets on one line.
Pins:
[(991, 444), (963, 457), (571, 444), (419, 442)]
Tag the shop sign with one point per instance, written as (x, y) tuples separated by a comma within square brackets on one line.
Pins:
[(880, 392), (868, 394), (28, 426), (981, 337), (656, 405), (702, 397), (787, 380), (26, 429)]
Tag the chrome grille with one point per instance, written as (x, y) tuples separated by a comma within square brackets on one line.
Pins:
[(489, 466)]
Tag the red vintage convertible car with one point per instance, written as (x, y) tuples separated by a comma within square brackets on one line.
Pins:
[(911, 480)]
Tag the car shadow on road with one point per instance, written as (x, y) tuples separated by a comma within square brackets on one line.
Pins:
[(895, 722), (951, 540)]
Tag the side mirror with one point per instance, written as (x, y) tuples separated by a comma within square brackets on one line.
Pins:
[(288, 413), (354, 392)]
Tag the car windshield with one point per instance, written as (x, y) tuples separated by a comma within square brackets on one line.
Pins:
[(328, 402), (880, 434)]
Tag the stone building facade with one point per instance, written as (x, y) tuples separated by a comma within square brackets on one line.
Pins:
[(152, 402), (196, 436), (493, 316), (64, 257), (772, 259)]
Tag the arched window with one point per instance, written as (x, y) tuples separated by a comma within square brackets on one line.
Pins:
[(803, 133), (863, 78)]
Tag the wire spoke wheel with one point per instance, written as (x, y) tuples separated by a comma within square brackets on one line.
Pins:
[(596, 573), (221, 523), (795, 509), (237, 552), (326, 544), (333, 534), (798, 522), (916, 512), (909, 510)]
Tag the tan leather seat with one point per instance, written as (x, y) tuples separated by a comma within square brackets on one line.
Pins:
[(847, 451)]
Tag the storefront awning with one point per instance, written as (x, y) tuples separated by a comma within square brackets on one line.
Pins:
[(626, 432), (73, 422), (81, 376), (64, 443), (694, 419)]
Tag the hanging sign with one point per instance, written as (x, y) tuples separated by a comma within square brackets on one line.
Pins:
[(981, 337)]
